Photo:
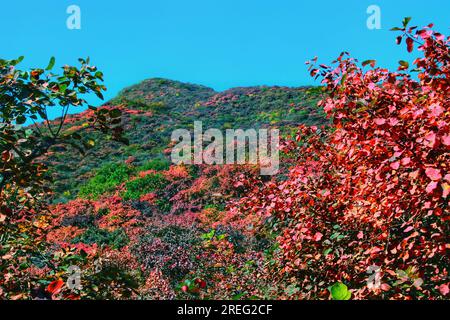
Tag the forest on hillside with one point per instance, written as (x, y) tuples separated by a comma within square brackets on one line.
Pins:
[(93, 207)]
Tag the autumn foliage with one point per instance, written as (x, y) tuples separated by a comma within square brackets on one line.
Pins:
[(370, 191), (374, 190)]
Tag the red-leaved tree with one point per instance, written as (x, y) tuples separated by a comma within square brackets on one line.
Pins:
[(372, 190)]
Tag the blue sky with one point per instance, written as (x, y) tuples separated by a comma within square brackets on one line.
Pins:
[(217, 43)]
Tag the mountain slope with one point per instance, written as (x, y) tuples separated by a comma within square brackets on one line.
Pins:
[(154, 108)]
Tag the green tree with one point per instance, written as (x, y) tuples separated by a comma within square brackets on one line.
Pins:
[(26, 97)]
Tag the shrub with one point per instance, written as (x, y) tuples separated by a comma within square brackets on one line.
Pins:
[(113, 281), (170, 249), (142, 206), (138, 187), (116, 239), (106, 179), (80, 221), (373, 191), (155, 164)]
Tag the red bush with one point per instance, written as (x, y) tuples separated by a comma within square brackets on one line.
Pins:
[(373, 189)]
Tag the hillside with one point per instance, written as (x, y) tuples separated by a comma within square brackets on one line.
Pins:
[(359, 208), (138, 226), (154, 108)]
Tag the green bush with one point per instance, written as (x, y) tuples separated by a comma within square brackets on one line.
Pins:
[(155, 164), (164, 205), (156, 106), (131, 149), (141, 186), (105, 180), (116, 239)]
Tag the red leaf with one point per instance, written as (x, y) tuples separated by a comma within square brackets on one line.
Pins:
[(443, 288), (55, 287), (433, 174), (318, 236), (379, 121), (409, 44), (395, 165), (431, 186)]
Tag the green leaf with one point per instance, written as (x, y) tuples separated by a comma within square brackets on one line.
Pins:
[(238, 296), (339, 291), (335, 235), (51, 64), (100, 95), (63, 88), (115, 113), (17, 61), (99, 75), (404, 64), (21, 119), (406, 20), (76, 136), (371, 62), (188, 282)]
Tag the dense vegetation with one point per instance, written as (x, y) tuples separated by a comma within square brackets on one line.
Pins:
[(154, 108), (364, 183)]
